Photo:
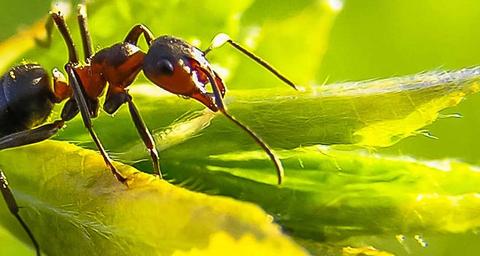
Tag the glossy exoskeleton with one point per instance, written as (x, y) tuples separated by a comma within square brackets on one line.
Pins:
[(170, 63), (27, 98)]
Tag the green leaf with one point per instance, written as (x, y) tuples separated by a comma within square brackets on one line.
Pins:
[(73, 204), (330, 195), (10, 245), (195, 153), (333, 196), (369, 114)]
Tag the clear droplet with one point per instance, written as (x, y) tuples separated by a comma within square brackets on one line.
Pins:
[(452, 115), (428, 134), (421, 241)]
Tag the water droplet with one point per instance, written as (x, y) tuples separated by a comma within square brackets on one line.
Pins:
[(427, 134), (336, 5), (421, 241), (300, 161), (452, 115), (400, 238)]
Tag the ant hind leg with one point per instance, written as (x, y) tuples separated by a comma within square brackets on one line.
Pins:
[(14, 209), (19, 139)]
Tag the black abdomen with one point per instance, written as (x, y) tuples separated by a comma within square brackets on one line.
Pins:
[(25, 98)]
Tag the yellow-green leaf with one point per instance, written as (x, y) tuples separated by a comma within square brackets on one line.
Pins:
[(75, 206), (368, 113)]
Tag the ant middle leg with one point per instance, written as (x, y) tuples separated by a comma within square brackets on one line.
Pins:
[(46, 40), (84, 32), (63, 29)]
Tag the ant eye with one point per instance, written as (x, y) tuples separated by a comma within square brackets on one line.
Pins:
[(165, 67)]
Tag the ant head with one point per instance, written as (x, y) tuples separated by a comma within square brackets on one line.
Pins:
[(177, 67)]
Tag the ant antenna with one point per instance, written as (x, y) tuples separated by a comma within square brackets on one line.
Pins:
[(220, 39), (221, 107), (261, 143)]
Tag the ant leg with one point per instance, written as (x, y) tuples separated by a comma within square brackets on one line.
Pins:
[(19, 139), (14, 209), (117, 96), (78, 91), (221, 107), (78, 94), (135, 33), (30, 136), (220, 39), (83, 24), (62, 27), (145, 135)]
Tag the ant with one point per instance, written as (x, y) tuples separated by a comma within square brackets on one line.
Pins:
[(27, 96), (170, 63)]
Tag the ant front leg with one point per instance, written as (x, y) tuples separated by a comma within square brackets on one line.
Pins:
[(221, 39), (145, 135), (115, 98)]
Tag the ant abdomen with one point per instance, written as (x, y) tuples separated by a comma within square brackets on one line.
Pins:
[(26, 98)]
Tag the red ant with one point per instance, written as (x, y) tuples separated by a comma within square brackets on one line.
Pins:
[(170, 63), (27, 97)]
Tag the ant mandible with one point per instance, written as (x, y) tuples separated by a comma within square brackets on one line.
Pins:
[(170, 63)]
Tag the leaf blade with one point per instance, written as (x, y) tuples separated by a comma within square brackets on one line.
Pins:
[(73, 202)]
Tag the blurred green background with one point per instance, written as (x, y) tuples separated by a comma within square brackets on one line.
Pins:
[(377, 39), (369, 39)]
